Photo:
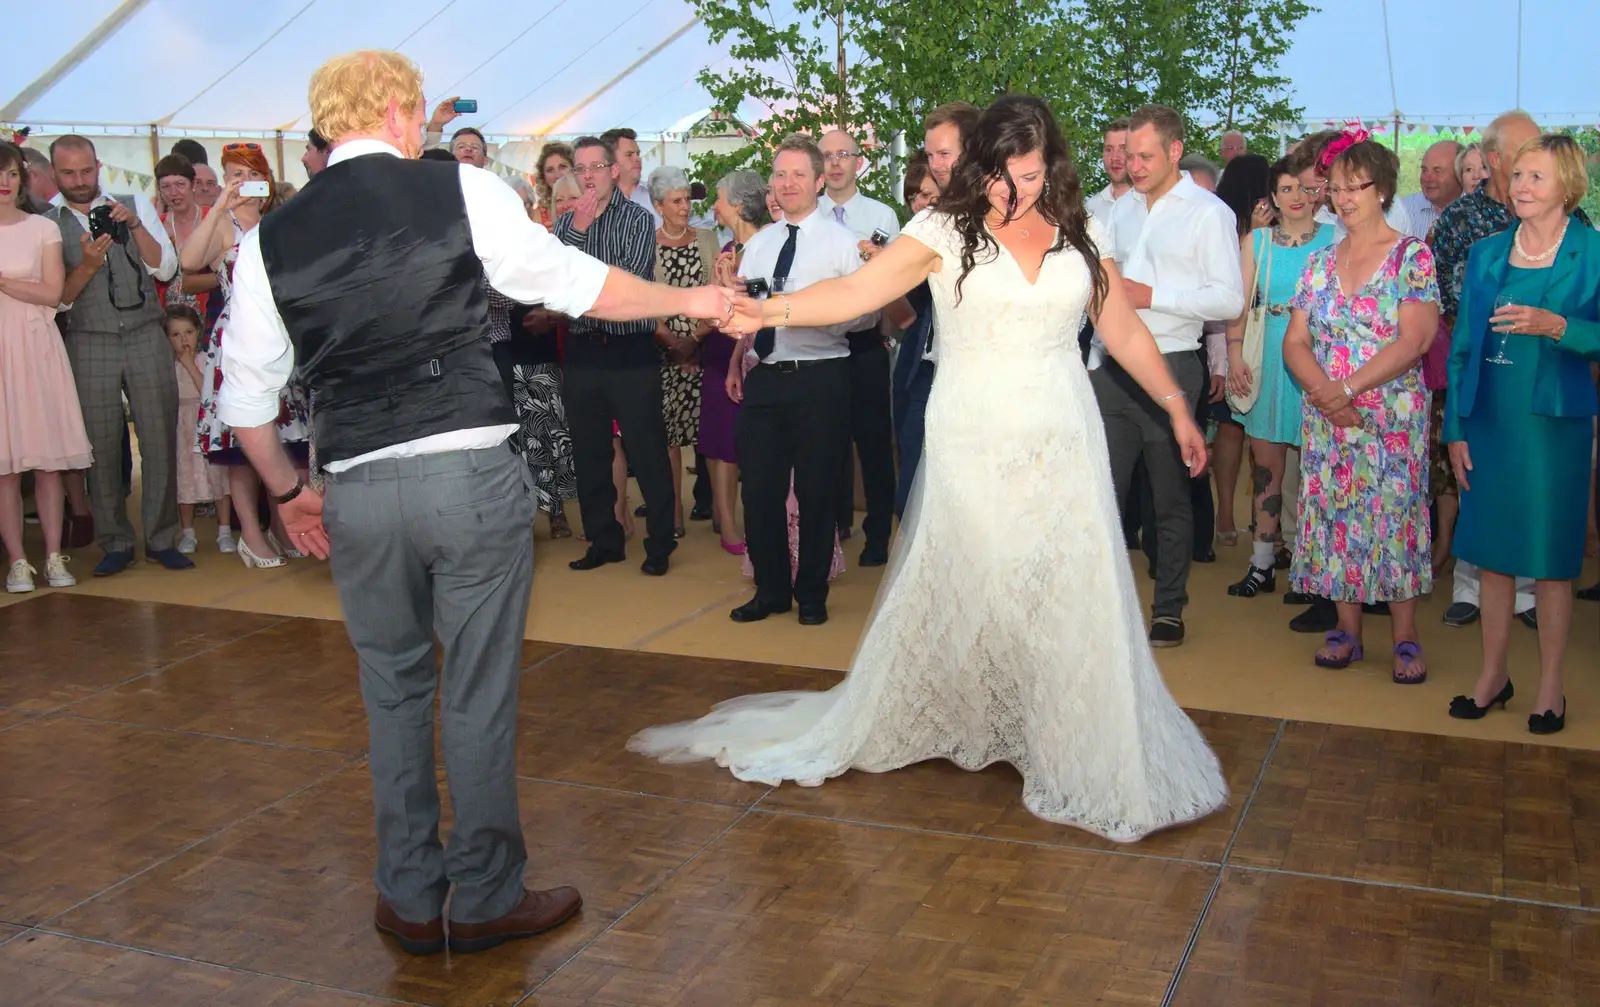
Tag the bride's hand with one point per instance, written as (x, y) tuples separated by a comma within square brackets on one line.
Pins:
[(746, 314), (1191, 443)]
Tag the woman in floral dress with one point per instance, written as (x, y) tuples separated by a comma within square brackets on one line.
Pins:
[(1364, 313)]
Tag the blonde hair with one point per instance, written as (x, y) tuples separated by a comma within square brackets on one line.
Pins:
[(1571, 172), (350, 94)]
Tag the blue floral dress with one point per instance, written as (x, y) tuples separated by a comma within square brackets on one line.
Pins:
[(1364, 490)]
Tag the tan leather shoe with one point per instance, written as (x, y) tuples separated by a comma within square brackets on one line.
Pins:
[(413, 938), (535, 914)]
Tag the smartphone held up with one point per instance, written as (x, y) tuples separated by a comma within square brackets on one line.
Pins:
[(255, 190)]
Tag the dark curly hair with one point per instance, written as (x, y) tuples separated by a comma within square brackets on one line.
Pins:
[(1015, 126)]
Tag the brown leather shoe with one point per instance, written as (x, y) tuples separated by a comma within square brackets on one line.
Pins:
[(413, 938), (535, 914)]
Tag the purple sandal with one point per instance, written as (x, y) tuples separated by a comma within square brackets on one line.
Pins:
[(1339, 638), (1409, 653)]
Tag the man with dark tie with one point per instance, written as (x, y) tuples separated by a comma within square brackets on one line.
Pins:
[(795, 417)]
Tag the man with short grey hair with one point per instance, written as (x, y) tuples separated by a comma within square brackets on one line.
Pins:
[(1231, 146)]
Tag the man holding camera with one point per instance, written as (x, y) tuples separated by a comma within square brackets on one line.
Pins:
[(115, 248)]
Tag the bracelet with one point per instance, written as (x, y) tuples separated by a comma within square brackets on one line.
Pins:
[(785, 308), (286, 497), (1168, 398), (1345, 386)]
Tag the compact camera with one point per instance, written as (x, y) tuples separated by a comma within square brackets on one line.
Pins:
[(100, 223), (880, 237)]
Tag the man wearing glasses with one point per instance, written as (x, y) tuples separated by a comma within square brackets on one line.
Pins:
[(871, 417), (612, 372)]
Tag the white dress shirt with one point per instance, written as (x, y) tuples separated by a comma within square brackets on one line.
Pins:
[(861, 215), (145, 210), (1099, 206), (1186, 248), (641, 195), (823, 250), (520, 259)]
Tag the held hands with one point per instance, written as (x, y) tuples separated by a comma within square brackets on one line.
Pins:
[(1460, 462), (747, 314), (1329, 397), (712, 303), (1519, 319), (302, 519)]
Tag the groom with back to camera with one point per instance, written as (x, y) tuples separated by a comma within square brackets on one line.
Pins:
[(369, 284)]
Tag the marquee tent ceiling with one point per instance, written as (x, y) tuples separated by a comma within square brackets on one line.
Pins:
[(583, 65)]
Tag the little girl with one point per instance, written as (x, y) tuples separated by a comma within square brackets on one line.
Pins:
[(198, 480)]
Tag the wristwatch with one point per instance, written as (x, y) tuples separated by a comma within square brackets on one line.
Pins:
[(282, 499)]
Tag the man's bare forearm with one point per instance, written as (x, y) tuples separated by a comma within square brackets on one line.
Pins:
[(265, 451), (626, 298)]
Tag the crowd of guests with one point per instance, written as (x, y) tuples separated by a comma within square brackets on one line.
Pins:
[(1410, 380)]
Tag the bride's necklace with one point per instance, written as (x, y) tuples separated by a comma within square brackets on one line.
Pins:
[(1547, 252), (1024, 231)]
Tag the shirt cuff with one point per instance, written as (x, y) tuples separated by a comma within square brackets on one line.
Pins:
[(587, 282), (245, 411)]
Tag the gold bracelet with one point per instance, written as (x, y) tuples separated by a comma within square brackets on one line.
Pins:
[(785, 308)]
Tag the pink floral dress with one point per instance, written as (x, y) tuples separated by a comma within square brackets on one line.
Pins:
[(1364, 532)]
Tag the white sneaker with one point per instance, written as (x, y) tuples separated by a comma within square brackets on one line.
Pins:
[(55, 571), (186, 542), (225, 542), (20, 579)]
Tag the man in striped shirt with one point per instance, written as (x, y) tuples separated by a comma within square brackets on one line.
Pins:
[(612, 372)]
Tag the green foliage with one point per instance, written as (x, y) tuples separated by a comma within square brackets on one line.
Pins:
[(1214, 60)]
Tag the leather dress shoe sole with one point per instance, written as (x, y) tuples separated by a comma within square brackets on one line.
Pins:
[(539, 912), (413, 938)]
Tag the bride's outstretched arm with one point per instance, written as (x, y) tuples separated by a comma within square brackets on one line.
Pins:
[(1130, 343), (903, 264)]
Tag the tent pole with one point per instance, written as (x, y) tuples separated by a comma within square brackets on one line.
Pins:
[(280, 155), (155, 146)]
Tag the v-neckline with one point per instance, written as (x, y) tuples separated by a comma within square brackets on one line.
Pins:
[(1338, 281), (1055, 236)]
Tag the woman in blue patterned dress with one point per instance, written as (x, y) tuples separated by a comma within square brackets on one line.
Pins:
[(1273, 259), (1365, 312)]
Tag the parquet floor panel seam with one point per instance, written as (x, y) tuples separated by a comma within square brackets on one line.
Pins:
[(1222, 867), (1419, 889), (202, 734), (578, 785), (325, 777), (215, 965), (646, 897)]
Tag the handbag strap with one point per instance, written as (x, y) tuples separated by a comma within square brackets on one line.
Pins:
[(1264, 279)]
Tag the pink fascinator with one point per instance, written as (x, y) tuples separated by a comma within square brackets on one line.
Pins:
[(1349, 138)]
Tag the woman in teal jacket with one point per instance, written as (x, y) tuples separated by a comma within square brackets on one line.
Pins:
[(1519, 416)]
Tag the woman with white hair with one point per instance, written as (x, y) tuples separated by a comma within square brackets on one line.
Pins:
[(684, 256)]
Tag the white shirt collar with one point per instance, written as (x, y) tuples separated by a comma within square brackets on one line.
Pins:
[(358, 148), (60, 199), (1185, 190)]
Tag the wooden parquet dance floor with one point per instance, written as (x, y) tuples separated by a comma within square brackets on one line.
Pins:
[(185, 820)]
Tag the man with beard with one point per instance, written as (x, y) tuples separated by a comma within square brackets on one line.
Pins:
[(112, 327)]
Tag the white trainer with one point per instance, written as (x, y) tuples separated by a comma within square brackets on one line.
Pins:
[(186, 542), (20, 579), (55, 571)]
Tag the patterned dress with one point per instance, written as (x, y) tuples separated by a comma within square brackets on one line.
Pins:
[(543, 437), (294, 409), (1364, 489), (680, 384)]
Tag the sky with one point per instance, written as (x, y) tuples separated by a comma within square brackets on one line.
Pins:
[(533, 62)]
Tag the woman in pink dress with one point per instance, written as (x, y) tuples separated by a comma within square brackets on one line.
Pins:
[(41, 424)]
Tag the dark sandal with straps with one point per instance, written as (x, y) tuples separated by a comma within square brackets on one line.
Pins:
[(1331, 644), (1410, 656), (1256, 581)]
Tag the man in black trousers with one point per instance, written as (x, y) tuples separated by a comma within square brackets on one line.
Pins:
[(795, 414), (612, 372)]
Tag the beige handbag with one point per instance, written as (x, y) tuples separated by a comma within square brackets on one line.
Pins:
[(1255, 332)]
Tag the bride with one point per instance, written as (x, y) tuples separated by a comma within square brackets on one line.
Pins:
[(1006, 628)]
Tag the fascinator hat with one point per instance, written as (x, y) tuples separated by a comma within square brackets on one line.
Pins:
[(1343, 142)]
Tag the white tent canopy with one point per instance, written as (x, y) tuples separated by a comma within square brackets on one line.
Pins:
[(572, 66)]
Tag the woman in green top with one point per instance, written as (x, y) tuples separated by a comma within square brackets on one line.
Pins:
[(1520, 414)]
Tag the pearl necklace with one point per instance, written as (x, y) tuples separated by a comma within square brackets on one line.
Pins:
[(673, 237), (1547, 252)]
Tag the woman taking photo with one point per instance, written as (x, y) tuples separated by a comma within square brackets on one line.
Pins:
[(1519, 424)]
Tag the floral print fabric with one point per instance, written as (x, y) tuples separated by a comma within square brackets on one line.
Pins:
[(1364, 531)]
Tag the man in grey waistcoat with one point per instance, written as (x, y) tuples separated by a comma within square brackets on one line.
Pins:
[(111, 323)]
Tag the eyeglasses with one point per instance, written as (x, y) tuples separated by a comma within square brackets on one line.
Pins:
[(1336, 190), (834, 157), (468, 148), (1312, 190), (241, 146), (590, 169)]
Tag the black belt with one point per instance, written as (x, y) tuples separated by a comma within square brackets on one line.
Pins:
[(790, 366)]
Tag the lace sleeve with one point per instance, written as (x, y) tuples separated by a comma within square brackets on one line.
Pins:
[(1100, 238), (933, 229)]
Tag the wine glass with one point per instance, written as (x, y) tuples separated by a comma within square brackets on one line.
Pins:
[(1503, 301)]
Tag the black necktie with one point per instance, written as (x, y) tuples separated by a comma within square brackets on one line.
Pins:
[(767, 338)]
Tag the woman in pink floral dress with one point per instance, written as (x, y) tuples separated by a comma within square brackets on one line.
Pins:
[(1363, 315)]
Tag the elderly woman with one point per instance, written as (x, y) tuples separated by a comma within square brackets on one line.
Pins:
[(1364, 312), (530, 198), (741, 208), (555, 163), (684, 257), (537, 335), (1471, 168), (1519, 422)]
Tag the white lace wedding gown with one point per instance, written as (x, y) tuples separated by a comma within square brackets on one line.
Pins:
[(1007, 628)]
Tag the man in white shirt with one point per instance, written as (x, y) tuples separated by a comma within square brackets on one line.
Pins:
[(1440, 187), (871, 414), (112, 325), (368, 285), (1114, 160), (1178, 250), (630, 179), (794, 418)]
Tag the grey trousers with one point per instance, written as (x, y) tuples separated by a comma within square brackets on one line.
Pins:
[(439, 545), (1138, 428), (103, 364)]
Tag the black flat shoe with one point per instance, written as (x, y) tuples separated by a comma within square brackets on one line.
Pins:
[(1256, 581), (1321, 617), (1467, 708), (813, 615), (1297, 598), (755, 610), (594, 559), (872, 555), (700, 514), (654, 566), (1548, 722)]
